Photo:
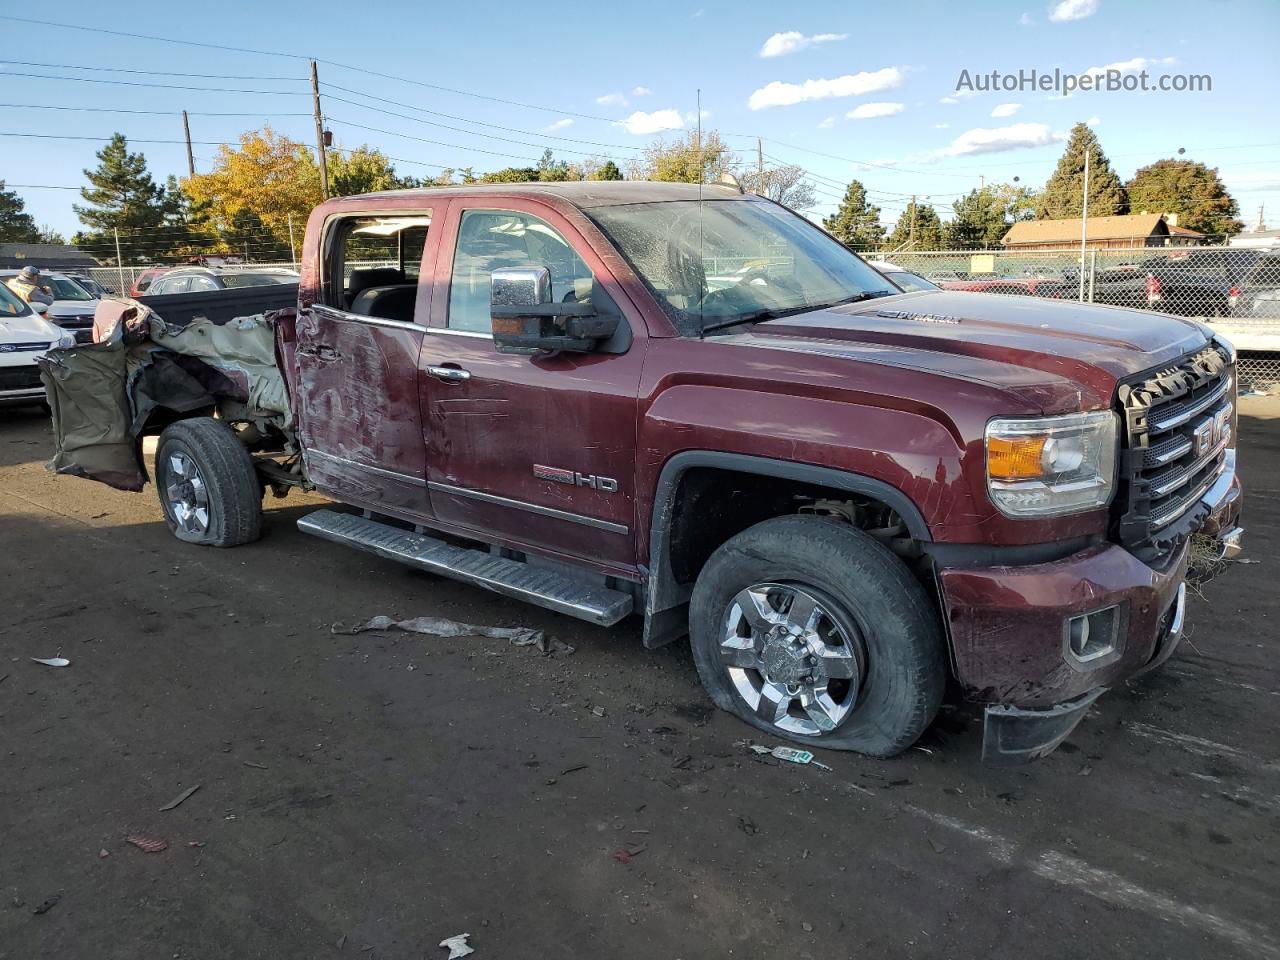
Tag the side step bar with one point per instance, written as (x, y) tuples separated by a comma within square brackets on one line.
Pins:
[(511, 578)]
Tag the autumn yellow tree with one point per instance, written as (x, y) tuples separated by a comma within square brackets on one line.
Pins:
[(268, 178)]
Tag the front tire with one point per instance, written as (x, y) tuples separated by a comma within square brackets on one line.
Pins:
[(813, 631), (207, 484)]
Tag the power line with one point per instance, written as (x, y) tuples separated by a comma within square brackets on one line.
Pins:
[(158, 86), (157, 113), (450, 116), (439, 143), (156, 73), (298, 56)]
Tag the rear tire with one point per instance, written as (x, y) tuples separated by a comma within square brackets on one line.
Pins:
[(861, 667), (207, 484)]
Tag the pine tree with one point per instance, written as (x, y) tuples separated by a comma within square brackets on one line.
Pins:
[(928, 229), (1189, 189), (123, 196), (982, 218), (1061, 196), (16, 225), (855, 223), (607, 171)]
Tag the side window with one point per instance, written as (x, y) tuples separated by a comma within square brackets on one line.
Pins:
[(491, 240), (372, 264), (201, 283)]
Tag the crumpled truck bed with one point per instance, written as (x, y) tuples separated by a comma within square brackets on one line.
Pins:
[(146, 370)]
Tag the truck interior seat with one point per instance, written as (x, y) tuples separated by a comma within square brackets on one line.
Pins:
[(394, 302), (365, 277)]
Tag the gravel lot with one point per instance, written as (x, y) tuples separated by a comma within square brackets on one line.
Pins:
[(369, 796)]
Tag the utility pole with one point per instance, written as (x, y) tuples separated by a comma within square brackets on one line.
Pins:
[(982, 182), (186, 132), (759, 167), (702, 167), (1084, 222), (119, 261), (911, 240), (293, 251), (324, 163)]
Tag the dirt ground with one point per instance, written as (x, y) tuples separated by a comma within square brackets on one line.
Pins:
[(369, 796)]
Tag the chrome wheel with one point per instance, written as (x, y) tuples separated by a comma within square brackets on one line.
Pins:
[(795, 657), (186, 494)]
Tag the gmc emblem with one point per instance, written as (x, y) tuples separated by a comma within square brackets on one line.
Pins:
[(1211, 431)]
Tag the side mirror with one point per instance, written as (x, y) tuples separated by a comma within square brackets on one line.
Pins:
[(526, 320), (39, 306)]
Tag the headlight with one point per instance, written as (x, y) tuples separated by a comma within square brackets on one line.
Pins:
[(1048, 466), (68, 339)]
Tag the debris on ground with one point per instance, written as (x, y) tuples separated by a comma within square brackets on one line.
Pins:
[(789, 754), (53, 661), (256, 766), (147, 844), (180, 798), (442, 627), (457, 946), (104, 853), (47, 904), (597, 711)]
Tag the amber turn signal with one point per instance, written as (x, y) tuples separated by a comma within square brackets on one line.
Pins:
[(1015, 458)]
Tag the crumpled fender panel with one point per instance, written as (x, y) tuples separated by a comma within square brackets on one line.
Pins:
[(105, 394)]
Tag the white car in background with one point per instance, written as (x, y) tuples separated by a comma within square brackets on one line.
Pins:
[(906, 279), (25, 335), (73, 306)]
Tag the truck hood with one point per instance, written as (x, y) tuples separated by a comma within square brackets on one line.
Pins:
[(23, 338), (1056, 352)]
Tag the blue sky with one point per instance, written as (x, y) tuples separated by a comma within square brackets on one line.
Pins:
[(845, 91)]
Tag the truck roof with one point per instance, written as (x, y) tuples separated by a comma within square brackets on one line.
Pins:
[(580, 193)]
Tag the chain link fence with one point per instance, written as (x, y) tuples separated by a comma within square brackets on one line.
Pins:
[(1234, 290)]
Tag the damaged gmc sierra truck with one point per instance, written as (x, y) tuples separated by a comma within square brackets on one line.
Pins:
[(691, 404)]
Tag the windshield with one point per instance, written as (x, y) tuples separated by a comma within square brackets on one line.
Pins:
[(60, 288), (718, 261), (12, 305), (257, 279)]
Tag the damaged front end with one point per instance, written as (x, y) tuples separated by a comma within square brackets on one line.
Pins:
[(148, 372)]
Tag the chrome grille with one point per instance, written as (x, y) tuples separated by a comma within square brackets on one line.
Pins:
[(1179, 423)]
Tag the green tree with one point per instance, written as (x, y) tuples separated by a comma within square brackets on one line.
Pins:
[(1061, 196), (1189, 189), (981, 219), (123, 196), (685, 160), (508, 175), (856, 223), (785, 184), (362, 170), (606, 171), (245, 235), (16, 225), (927, 233)]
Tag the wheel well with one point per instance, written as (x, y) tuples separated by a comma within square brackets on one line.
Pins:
[(711, 504)]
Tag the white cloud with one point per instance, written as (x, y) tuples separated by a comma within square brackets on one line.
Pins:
[(779, 94), (999, 139), (827, 123), (792, 41), (1134, 65), (1093, 121), (1025, 20), (612, 100), (1006, 109), (691, 118), (1065, 10), (942, 126), (642, 124), (867, 111), (948, 100), (558, 125), (641, 91)]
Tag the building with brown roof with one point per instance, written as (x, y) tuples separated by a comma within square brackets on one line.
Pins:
[(1133, 230)]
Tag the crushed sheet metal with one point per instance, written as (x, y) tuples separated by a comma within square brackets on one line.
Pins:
[(457, 946), (442, 627), (147, 844)]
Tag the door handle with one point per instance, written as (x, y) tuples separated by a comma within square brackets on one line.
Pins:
[(449, 373)]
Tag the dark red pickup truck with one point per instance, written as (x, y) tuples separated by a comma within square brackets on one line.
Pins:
[(692, 405)]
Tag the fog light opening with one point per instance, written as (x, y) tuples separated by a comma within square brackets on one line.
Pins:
[(1091, 636)]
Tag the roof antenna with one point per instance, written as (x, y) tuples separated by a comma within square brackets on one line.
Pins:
[(702, 270)]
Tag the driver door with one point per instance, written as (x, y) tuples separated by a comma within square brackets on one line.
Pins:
[(532, 451)]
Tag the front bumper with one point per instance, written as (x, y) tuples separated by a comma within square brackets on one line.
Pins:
[(1012, 627), (20, 383)]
